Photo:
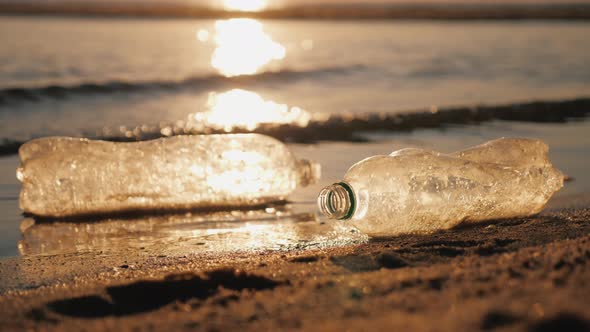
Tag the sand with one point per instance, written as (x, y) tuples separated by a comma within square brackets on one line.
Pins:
[(526, 274)]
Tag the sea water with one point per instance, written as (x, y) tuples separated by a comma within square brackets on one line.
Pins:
[(89, 76)]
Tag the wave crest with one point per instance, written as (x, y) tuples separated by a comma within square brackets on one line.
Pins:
[(25, 94)]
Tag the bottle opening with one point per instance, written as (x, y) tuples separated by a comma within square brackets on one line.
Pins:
[(337, 201)]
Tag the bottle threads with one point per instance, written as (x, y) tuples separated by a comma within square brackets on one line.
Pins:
[(337, 201)]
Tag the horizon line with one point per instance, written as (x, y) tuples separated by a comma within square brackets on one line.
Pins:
[(432, 11)]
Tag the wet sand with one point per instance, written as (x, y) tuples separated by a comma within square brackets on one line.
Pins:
[(526, 274)]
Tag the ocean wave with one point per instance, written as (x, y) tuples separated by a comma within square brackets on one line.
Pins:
[(350, 127), (32, 94)]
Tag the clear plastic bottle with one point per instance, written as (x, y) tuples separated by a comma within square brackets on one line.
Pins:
[(70, 176), (419, 191)]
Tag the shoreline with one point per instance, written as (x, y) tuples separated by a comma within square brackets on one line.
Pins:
[(348, 127)]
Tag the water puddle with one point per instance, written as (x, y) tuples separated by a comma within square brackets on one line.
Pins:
[(271, 229)]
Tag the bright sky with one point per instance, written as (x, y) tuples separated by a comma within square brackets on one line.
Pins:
[(280, 2), (261, 4), (290, 2), (430, 1), (254, 5)]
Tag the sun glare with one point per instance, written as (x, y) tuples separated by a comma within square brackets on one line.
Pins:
[(243, 47), (245, 5), (245, 109)]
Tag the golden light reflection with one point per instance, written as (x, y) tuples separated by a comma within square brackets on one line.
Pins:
[(243, 47), (179, 234), (245, 5), (245, 109)]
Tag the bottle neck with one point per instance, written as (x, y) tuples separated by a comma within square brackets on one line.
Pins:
[(337, 201), (309, 172)]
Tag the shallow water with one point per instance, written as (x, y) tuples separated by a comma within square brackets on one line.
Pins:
[(270, 229)]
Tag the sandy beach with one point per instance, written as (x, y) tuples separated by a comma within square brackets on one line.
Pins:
[(284, 267), (336, 84), (527, 274)]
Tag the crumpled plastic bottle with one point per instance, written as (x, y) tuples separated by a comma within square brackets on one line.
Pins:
[(419, 191), (64, 176)]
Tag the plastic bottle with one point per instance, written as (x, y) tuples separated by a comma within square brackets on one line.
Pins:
[(419, 191), (70, 176)]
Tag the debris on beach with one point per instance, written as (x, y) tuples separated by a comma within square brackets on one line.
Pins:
[(64, 176), (420, 191)]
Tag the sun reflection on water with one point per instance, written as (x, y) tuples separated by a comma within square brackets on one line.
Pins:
[(277, 228), (246, 109), (242, 47)]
